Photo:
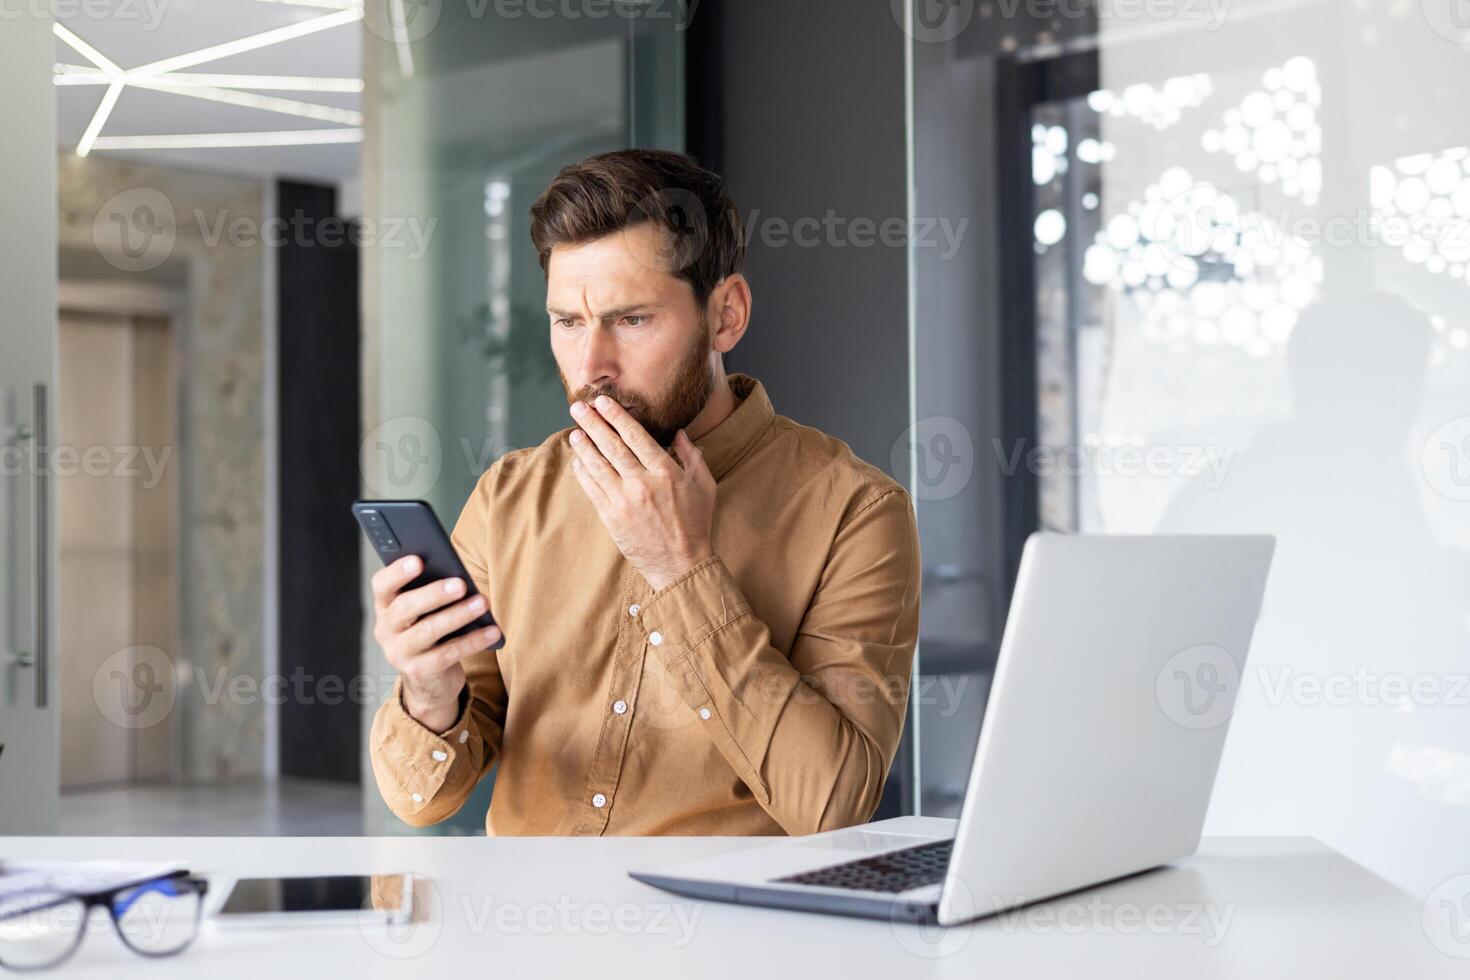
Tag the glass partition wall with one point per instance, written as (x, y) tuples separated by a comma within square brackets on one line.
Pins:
[(1220, 282), (467, 124), (1274, 311)]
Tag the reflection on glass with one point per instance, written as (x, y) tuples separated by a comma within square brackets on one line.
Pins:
[(1266, 331)]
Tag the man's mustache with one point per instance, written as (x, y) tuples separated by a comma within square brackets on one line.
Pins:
[(631, 403)]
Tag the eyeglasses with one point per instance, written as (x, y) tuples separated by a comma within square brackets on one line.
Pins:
[(39, 930)]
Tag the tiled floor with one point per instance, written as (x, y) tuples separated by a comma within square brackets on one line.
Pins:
[(284, 808)]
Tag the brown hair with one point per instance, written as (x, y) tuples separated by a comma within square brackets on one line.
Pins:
[(612, 191)]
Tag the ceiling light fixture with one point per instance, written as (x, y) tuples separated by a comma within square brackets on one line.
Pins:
[(250, 100), (109, 98), (400, 37), (99, 118), (253, 42), (84, 75), (85, 50), (160, 76), (209, 141)]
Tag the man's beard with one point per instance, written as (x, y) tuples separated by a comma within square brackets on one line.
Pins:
[(693, 382)]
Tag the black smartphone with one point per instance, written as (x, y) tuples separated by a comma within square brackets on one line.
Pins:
[(323, 900), (399, 528)]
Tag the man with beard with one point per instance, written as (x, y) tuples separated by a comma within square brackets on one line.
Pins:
[(710, 610)]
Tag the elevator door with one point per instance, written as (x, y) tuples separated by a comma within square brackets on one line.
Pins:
[(115, 509)]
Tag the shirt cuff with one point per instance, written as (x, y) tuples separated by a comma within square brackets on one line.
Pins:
[(418, 761), (683, 614)]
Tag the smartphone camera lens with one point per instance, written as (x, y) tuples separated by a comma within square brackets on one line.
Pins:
[(378, 531)]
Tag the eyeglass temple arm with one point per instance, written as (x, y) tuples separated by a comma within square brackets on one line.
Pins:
[(164, 886)]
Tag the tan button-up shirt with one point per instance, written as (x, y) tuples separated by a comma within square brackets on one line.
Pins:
[(763, 692)]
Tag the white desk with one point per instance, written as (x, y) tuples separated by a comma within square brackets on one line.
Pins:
[(547, 907)]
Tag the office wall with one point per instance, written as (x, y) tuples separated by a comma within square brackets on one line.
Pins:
[(801, 107)]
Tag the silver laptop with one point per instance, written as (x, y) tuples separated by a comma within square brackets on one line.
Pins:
[(1112, 694)]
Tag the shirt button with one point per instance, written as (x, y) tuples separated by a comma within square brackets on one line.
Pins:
[(417, 797), (704, 713), (633, 609), (439, 755), (599, 801), (620, 707), (464, 736), (655, 637)]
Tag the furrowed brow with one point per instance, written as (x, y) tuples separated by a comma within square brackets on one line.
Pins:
[(612, 314), (622, 311)]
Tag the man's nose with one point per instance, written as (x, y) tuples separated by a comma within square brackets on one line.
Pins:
[(599, 360)]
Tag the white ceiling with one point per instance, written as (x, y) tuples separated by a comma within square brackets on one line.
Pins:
[(146, 31)]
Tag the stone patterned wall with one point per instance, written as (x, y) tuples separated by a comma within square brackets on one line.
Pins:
[(200, 233)]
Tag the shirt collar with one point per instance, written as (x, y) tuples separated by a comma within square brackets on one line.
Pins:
[(727, 443)]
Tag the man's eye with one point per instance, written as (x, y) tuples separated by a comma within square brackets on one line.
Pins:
[(562, 321), (634, 319)]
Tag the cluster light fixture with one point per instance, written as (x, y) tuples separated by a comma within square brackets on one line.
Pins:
[(169, 75)]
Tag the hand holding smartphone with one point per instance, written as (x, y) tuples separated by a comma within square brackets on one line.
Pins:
[(429, 615)]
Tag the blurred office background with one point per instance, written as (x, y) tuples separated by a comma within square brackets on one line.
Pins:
[(1083, 266)]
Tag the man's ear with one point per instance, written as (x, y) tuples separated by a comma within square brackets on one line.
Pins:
[(729, 311)]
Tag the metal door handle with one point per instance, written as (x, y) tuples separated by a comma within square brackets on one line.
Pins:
[(41, 540)]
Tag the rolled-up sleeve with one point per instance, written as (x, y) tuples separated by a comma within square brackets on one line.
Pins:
[(811, 732), (426, 776)]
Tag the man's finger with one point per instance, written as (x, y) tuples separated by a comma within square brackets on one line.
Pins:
[(430, 630), (451, 652), (390, 578), (607, 440), (590, 487), (407, 609), (632, 432), (692, 459), (593, 461)]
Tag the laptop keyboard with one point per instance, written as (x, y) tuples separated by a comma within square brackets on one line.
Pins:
[(893, 872)]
